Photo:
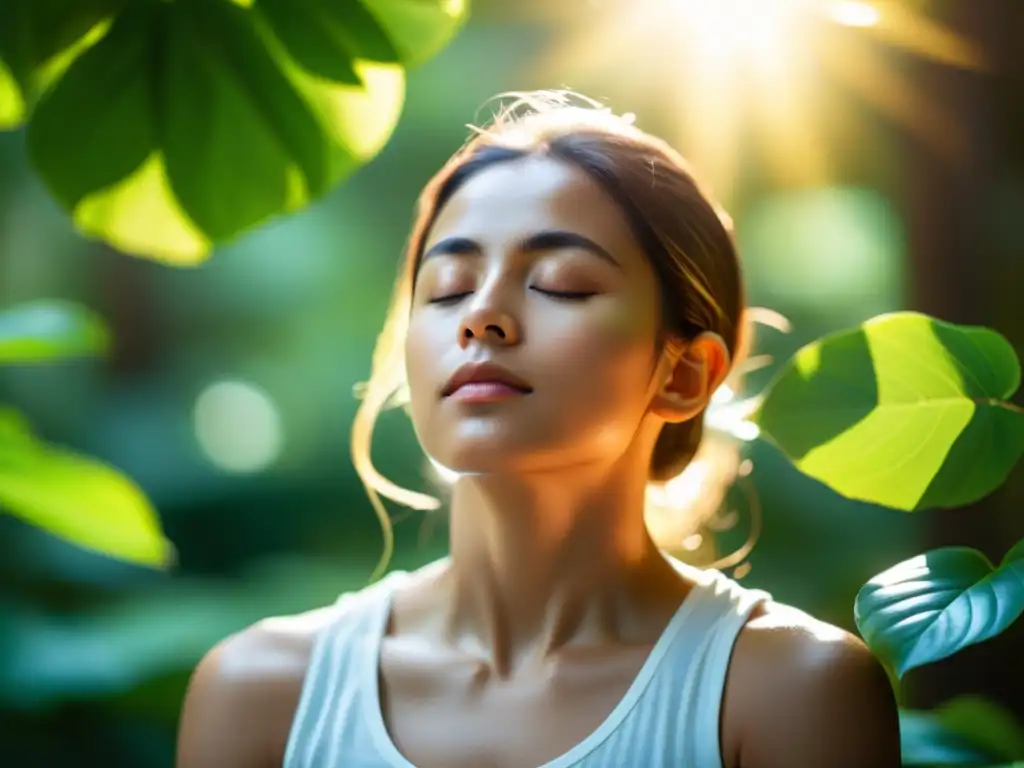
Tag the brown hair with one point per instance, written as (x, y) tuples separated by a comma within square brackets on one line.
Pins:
[(684, 233)]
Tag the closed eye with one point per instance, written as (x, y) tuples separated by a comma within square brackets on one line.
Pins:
[(565, 295), (451, 298)]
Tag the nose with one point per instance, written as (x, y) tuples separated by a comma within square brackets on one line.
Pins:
[(490, 325)]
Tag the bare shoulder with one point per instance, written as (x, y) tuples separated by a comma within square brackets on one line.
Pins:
[(243, 694), (803, 693)]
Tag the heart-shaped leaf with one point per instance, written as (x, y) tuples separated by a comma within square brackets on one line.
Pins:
[(931, 606), (191, 122), (968, 730), (905, 411), (78, 499), (41, 331)]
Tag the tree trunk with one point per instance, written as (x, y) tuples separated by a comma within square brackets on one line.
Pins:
[(967, 266)]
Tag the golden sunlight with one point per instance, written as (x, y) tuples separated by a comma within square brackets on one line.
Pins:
[(733, 76), (854, 14)]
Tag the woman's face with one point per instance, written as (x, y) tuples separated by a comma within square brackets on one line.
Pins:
[(531, 267)]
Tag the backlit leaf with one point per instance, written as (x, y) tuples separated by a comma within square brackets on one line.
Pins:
[(41, 331), (37, 36), (80, 500), (13, 426), (325, 36), (905, 411), (12, 100), (239, 142), (189, 123), (420, 28), (933, 605)]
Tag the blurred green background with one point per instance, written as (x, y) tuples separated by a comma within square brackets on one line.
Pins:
[(228, 397)]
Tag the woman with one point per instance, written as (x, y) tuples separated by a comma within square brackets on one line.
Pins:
[(571, 300)]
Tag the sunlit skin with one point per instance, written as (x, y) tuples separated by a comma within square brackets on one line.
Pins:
[(554, 478), (520, 644)]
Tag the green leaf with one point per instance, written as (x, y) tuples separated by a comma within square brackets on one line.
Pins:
[(78, 499), (420, 28), (12, 100), (95, 128), (933, 605), (926, 741), (13, 426), (314, 39), (326, 36), (969, 730), (905, 411), (42, 331), (234, 127), (38, 38), (189, 123)]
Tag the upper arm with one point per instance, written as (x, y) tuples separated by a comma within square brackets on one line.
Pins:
[(241, 700), (818, 701)]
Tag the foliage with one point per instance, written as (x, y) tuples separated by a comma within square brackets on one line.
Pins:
[(71, 496), (931, 606), (965, 731), (166, 127), (905, 411), (911, 412)]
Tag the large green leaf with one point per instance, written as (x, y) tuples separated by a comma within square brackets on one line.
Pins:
[(191, 122), (327, 35), (36, 39), (77, 499), (50, 330), (905, 411), (968, 730), (931, 606), (419, 28)]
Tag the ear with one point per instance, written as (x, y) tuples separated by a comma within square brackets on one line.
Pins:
[(690, 372)]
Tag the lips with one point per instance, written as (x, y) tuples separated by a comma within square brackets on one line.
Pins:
[(480, 375)]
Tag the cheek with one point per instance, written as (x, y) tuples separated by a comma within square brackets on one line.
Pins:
[(608, 358), (627, 325), (421, 356)]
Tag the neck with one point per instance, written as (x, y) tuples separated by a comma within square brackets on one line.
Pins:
[(540, 560)]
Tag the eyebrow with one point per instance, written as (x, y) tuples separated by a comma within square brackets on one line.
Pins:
[(546, 240)]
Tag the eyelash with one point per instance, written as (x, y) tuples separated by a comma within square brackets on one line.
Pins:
[(558, 295)]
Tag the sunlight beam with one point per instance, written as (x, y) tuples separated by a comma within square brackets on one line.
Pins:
[(733, 74)]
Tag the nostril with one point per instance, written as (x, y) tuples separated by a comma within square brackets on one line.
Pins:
[(497, 330)]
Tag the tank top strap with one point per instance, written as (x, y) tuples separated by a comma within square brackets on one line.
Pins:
[(725, 608), (330, 711)]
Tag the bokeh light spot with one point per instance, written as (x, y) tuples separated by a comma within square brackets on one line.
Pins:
[(238, 427)]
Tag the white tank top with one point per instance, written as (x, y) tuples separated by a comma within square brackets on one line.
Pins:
[(669, 716)]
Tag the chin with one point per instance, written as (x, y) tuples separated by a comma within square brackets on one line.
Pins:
[(480, 460)]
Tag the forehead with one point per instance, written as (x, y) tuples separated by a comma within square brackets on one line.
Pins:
[(512, 199)]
